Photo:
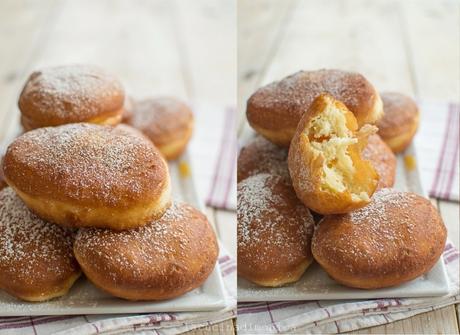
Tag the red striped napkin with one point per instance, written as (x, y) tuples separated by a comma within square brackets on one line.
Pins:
[(437, 146), (330, 317), (213, 152)]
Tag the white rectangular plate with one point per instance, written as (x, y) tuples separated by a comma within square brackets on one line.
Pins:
[(317, 285), (85, 298)]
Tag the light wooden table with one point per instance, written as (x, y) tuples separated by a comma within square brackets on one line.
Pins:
[(410, 46), (181, 48)]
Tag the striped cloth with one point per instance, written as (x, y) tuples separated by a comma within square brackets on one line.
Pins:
[(156, 323), (215, 166), (330, 317), (437, 146)]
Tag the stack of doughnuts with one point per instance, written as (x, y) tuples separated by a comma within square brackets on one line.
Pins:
[(326, 145), (86, 194), (83, 93)]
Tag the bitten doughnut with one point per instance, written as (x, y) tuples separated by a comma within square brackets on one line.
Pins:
[(399, 122), (382, 159), (276, 109), (166, 121), (274, 231), (325, 163), (89, 175), (396, 238), (262, 156), (36, 258), (70, 94), (162, 260)]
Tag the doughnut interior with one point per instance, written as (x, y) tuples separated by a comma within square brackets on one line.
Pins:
[(330, 136), (330, 140)]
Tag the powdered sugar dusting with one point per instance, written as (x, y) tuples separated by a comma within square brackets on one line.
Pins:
[(396, 100), (262, 156), (385, 235), (271, 219), (135, 250), (86, 162), (296, 92), (399, 111), (377, 213), (30, 248), (70, 93), (161, 116)]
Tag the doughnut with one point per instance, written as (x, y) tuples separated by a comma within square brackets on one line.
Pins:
[(275, 109), (382, 159), (274, 231), (399, 122), (262, 156), (399, 236), (3, 183), (162, 260), (328, 173), (36, 257), (168, 123), (127, 110), (84, 174), (69, 94)]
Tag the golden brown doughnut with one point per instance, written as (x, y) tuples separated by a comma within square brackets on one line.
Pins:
[(68, 94), (128, 110), (162, 260), (325, 164), (262, 156), (89, 175), (396, 238), (166, 121), (399, 122), (274, 231), (36, 258), (382, 159), (3, 183), (275, 110)]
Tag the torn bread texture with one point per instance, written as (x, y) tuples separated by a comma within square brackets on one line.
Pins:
[(325, 159)]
